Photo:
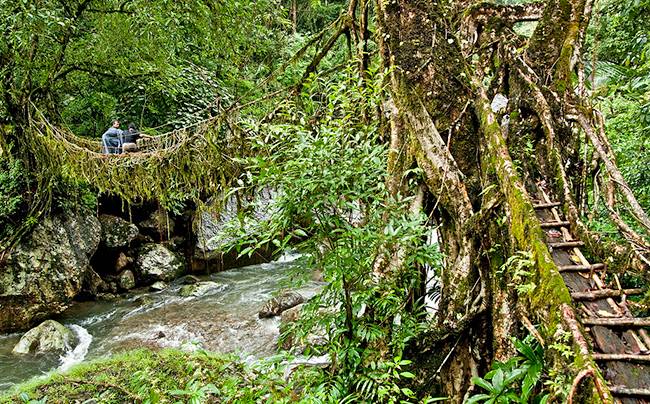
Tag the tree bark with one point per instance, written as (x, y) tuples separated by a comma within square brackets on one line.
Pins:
[(445, 66)]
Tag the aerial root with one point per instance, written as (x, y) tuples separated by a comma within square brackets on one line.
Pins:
[(589, 372), (570, 321), (600, 143)]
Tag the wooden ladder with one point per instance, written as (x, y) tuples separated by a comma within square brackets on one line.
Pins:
[(620, 342)]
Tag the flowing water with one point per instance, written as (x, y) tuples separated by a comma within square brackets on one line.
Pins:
[(222, 320)]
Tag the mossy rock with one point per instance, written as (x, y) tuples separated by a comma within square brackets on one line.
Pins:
[(49, 336)]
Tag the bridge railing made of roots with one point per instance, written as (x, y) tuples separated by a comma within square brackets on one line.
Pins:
[(192, 161)]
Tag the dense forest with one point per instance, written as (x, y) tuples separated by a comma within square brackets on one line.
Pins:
[(325, 201)]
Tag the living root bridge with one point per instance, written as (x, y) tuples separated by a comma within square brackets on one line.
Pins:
[(480, 162), (186, 163)]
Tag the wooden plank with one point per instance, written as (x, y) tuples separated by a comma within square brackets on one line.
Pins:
[(547, 205), (567, 244), (628, 392), (604, 293), (634, 342), (580, 268), (621, 357), (644, 336), (618, 322), (550, 225)]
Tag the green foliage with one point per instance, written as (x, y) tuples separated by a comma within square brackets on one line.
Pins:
[(619, 66), (314, 15), (13, 187), (19, 197), (162, 376), (520, 266), (195, 392), (329, 168), (627, 123), (145, 61), (516, 380)]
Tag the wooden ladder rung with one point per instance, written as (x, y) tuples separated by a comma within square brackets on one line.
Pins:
[(604, 293), (550, 225), (580, 268), (546, 205), (621, 357), (618, 322), (629, 392), (567, 244)]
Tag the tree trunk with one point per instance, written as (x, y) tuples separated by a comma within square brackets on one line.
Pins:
[(447, 64)]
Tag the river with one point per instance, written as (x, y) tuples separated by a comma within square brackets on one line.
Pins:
[(223, 320)]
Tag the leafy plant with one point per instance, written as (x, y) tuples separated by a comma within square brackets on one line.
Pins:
[(516, 380), (327, 167), (518, 266), (195, 392)]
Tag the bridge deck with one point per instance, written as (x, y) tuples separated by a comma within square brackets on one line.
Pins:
[(620, 343)]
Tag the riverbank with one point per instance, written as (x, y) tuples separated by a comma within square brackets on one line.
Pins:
[(165, 375), (221, 315)]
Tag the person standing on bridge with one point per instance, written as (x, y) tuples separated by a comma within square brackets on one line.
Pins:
[(111, 138)]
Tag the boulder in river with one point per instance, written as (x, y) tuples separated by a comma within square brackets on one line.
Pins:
[(93, 284), (144, 300), (44, 272), (218, 225), (280, 303), (156, 262), (117, 232), (49, 336), (188, 280), (126, 280), (202, 289), (158, 286), (316, 337)]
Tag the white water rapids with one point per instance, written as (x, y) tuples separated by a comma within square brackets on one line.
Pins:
[(225, 321)]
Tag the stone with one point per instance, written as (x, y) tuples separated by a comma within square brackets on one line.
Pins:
[(202, 289), (156, 262), (292, 314), (45, 271), (109, 297), (316, 337), (126, 280), (117, 232), (317, 276), (280, 303), (144, 300), (219, 224), (158, 286), (122, 262), (177, 242), (158, 225), (188, 280), (499, 102), (49, 336), (93, 284), (112, 287)]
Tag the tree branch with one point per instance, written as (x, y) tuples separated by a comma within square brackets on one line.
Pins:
[(612, 170)]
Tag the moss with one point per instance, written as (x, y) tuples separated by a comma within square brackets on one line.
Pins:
[(184, 165), (550, 293), (563, 67), (144, 374)]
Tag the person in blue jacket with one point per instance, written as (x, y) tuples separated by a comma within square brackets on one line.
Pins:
[(111, 139)]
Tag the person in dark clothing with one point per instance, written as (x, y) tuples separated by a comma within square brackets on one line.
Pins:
[(130, 138), (111, 139), (131, 135)]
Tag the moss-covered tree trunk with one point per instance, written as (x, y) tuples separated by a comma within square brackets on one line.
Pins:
[(452, 68)]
